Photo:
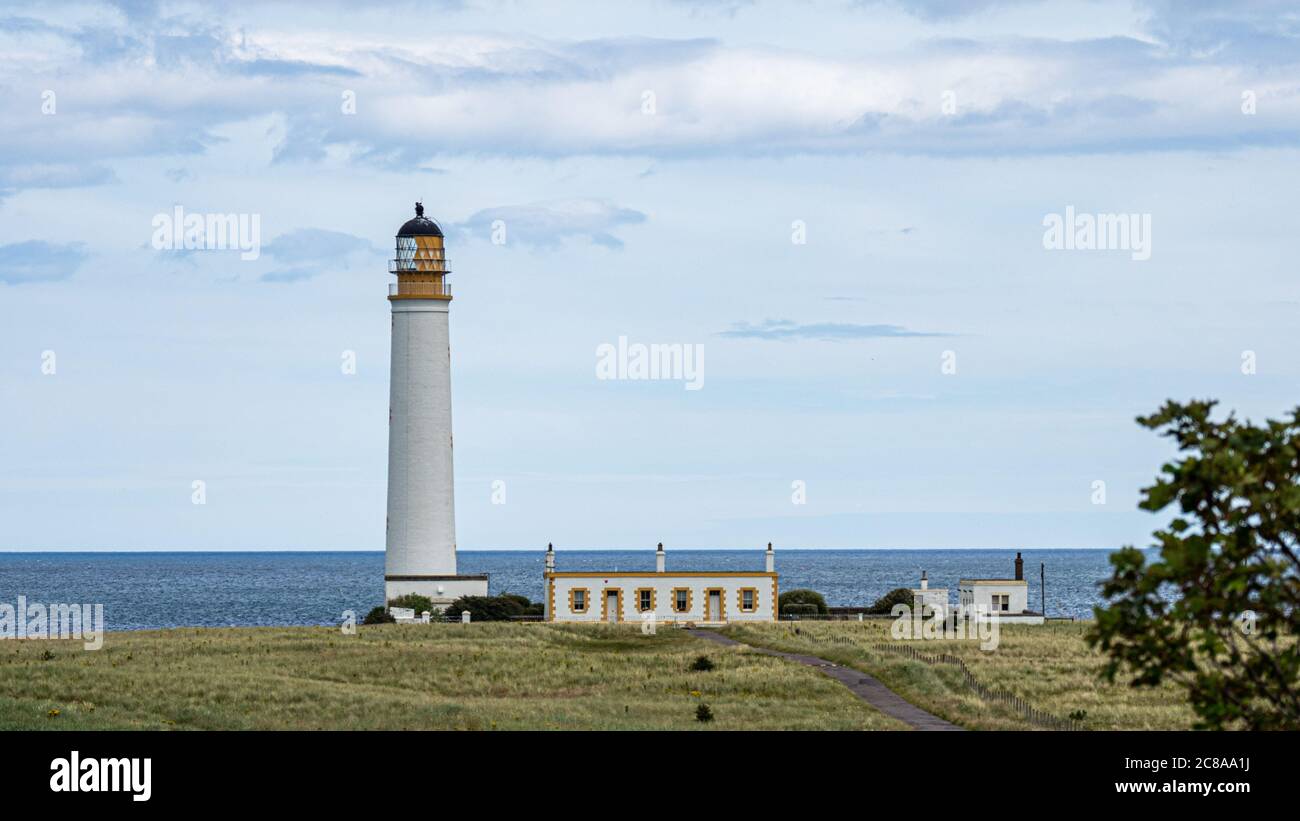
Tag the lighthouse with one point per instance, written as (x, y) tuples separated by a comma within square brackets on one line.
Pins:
[(420, 555)]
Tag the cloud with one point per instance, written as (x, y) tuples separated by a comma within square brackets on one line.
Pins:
[(16, 178), (163, 87), (728, 8), (1260, 33), (293, 68), (307, 252), (546, 224), (785, 329), (289, 274), (315, 245), (932, 10), (37, 261), (400, 160)]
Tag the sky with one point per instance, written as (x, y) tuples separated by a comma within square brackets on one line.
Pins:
[(839, 206)]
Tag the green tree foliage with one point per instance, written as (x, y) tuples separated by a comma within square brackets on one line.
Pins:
[(522, 600), (1217, 611), (420, 604), (885, 604), (378, 616), (487, 608), (803, 597), (799, 609), (531, 608)]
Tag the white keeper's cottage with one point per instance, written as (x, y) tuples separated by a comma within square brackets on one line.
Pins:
[(697, 597)]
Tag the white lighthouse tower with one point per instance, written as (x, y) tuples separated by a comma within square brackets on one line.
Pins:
[(421, 542)]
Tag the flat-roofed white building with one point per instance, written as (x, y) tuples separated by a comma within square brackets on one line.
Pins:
[(698, 597), (1007, 598)]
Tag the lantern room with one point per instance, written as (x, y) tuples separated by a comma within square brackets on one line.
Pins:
[(421, 261)]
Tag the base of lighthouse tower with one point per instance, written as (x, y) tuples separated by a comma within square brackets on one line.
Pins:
[(420, 555), (443, 590)]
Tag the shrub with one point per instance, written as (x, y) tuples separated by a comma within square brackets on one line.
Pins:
[(415, 601), (798, 609), (702, 664), (704, 713), (804, 597), (531, 608), (885, 604), (523, 600), (379, 615), (486, 608)]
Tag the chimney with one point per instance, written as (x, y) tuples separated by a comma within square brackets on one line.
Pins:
[(659, 558), (771, 559), (550, 558), (1020, 568)]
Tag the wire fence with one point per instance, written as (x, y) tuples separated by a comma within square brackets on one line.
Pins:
[(992, 695), (835, 617), (792, 617)]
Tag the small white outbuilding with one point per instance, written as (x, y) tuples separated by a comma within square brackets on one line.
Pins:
[(1007, 598), (927, 599)]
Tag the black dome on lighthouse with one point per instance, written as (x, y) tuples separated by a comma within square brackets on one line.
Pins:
[(421, 226)]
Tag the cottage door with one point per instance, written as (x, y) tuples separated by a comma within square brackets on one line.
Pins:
[(715, 605), (611, 605)]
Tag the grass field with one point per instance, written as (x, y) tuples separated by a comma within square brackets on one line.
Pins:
[(540, 676), (444, 676), (1050, 666)]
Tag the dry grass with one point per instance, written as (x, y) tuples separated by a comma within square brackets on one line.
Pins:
[(481, 676), (1050, 666)]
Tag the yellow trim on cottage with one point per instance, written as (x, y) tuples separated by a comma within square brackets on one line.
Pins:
[(640, 607), (690, 596), (722, 603), (586, 600), (753, 599), (604, 602)]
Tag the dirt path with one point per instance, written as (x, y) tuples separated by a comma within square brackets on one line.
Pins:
[(862, 685)]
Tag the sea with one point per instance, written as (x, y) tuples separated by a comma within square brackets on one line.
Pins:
[(161, 590)]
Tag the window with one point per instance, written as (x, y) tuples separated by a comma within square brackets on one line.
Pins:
[(748, 599), (645, 599), (1002, 601), (578, 600), (681, 599)]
